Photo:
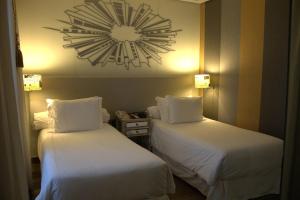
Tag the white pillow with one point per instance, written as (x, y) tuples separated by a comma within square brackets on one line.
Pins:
[(40, 120), (105, 115), (75, 115), (185, 109), (162, 105), (153, 112)]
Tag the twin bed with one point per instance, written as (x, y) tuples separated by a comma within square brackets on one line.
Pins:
[(222, 161), (100, 164), (83, 157)]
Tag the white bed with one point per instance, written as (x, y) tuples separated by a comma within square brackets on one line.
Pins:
[(100, 164), (222, 161)]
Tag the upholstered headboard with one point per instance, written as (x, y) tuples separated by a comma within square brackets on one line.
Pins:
[(130, 94)]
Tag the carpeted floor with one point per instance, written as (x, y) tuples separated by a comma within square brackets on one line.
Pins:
[(183, 190), (36, 177)]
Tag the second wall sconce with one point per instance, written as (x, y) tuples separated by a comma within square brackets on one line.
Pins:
[(202, 81)]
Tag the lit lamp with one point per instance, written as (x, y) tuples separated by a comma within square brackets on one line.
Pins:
[(32, 82), (202, 80)]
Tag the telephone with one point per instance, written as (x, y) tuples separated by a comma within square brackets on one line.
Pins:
[(135, 115), (122, 114), (139, 114)]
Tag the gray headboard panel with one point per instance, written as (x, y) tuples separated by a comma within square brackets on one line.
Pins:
[(130, 94)]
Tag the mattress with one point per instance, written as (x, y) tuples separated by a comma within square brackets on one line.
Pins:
[(216, 151), (99, 164)]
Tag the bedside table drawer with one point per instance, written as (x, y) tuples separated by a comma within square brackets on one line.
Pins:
[(137, 132), (136, 124)]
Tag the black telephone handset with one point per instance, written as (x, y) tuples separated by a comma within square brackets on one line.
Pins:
[(139, 115), (134, 116)]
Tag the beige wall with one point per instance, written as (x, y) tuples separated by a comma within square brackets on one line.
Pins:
[(229, 60), (202, 42), (67, 77), (234, 55), (275, 68), (44, 53), (251, 63), (212, 56), (251, 48)]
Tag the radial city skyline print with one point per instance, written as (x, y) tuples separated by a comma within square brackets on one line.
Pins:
[(116, 32)]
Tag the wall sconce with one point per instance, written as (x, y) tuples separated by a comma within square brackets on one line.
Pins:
[(32, 82), (202, 80)]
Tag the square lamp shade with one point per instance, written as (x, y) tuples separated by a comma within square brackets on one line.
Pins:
[(202, 80), (32, 82)]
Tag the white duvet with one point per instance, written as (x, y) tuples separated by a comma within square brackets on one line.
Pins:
[(99, 164), (218, 151)]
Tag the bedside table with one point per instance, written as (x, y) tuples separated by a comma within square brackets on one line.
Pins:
[(136, 129)]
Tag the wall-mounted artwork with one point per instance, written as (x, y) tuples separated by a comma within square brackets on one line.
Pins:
[(116, 32), (109, 38)]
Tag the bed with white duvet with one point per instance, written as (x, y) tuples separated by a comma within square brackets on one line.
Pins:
[(99, 164), (229, 162), (224, 162), (84, 158)]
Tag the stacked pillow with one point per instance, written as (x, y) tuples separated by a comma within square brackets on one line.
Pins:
[(72, 115), (162, 105), (40, 120), (153, 112), (180, 109)]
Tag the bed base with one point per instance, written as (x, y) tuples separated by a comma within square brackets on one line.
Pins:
[(242, 188)]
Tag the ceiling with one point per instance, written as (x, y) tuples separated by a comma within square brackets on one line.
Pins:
[(195, 1)]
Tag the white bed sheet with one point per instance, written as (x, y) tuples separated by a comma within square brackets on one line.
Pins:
[(218, 151), (99, 164)]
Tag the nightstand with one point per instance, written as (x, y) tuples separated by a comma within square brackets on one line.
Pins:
[(136, 129)]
